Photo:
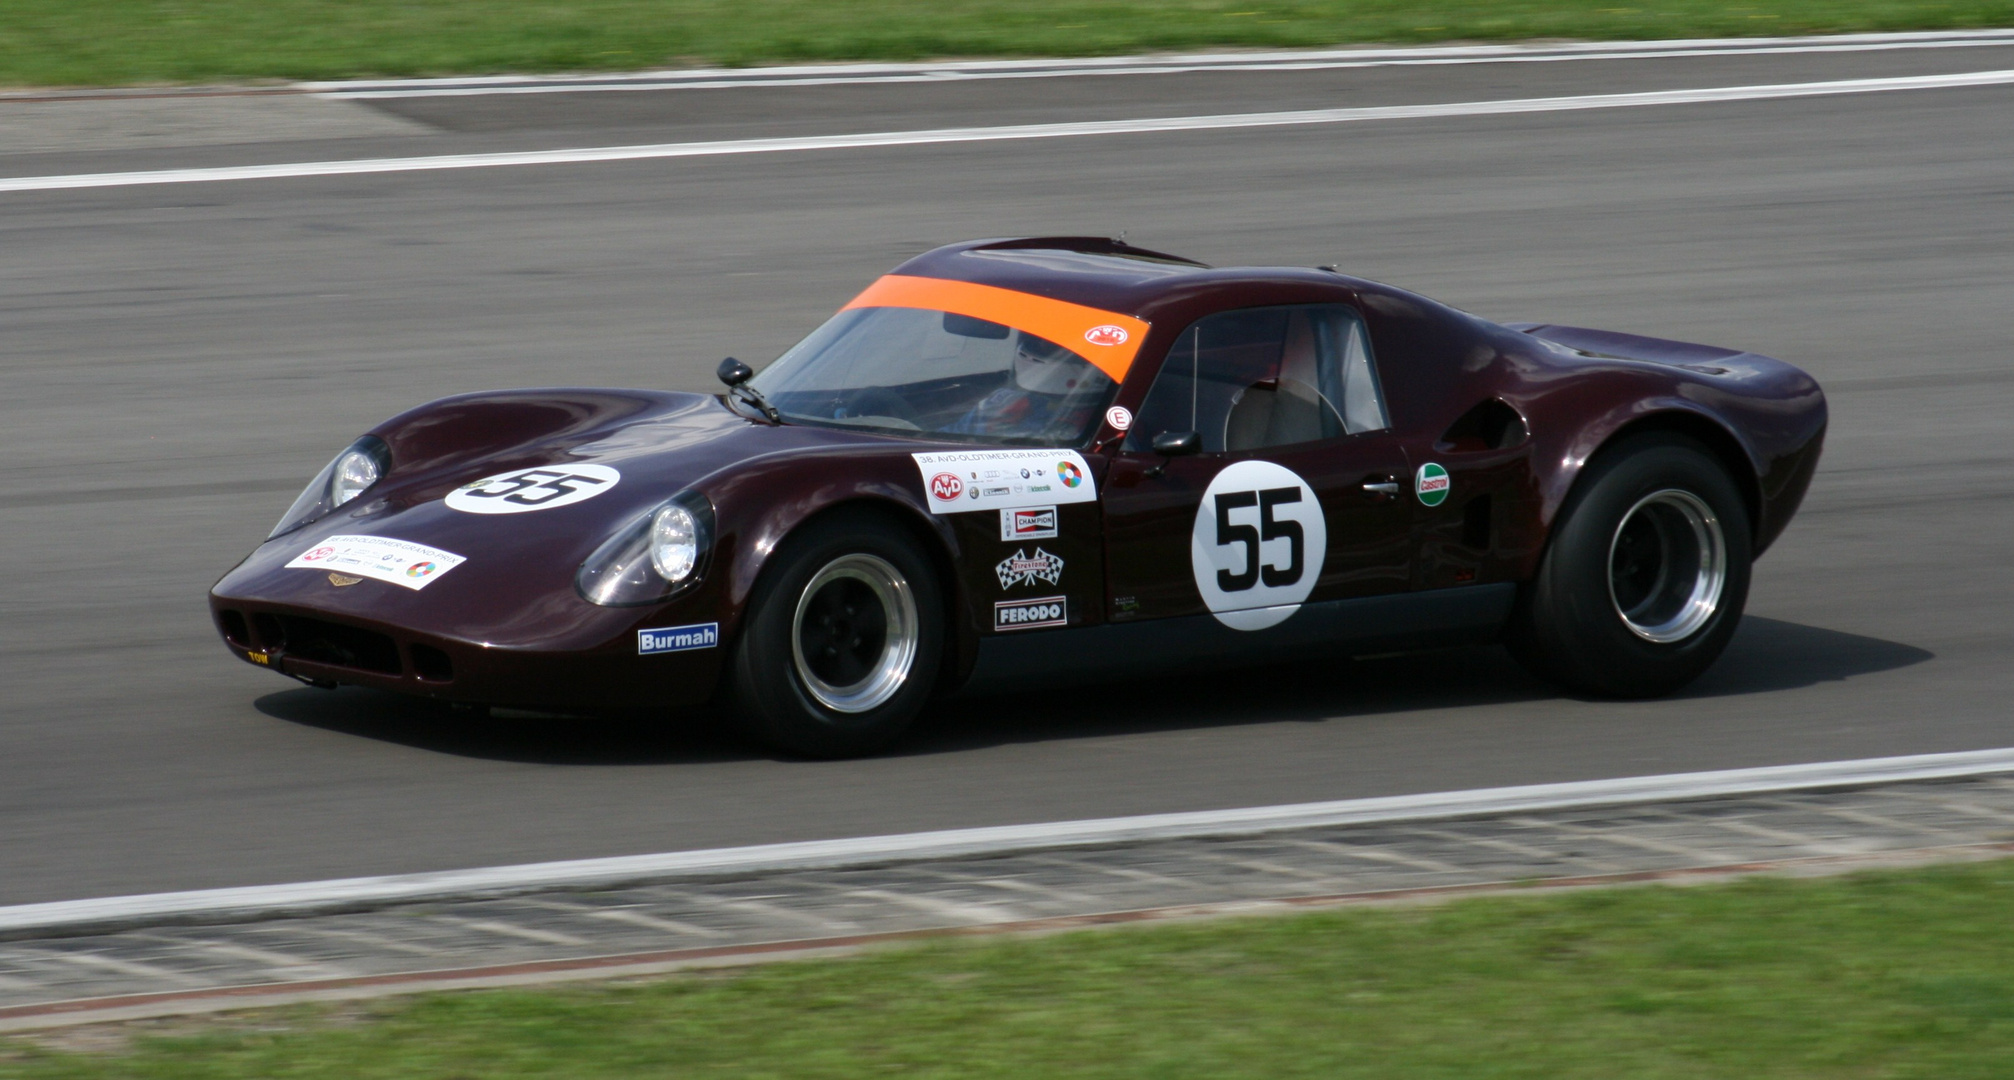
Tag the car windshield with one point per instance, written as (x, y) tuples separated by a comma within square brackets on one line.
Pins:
[(914, 370)]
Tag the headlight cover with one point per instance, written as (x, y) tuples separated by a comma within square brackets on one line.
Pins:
[(349, 475), (653, 558)]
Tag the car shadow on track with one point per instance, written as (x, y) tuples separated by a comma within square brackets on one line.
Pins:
[(1767, 655)]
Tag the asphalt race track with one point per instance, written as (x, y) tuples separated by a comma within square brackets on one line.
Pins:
[(175, 361)]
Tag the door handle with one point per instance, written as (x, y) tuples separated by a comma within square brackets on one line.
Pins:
[(1381, 489)]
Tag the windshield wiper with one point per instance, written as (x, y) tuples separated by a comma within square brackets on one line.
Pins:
[(736, 375)]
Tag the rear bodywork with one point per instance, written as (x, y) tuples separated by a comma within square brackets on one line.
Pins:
[(1513, 413)]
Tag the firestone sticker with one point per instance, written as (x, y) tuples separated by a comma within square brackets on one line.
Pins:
[(1028, 523), (524, 490), (1022, 568), (1432, 484), (380, 558), (957, 481)]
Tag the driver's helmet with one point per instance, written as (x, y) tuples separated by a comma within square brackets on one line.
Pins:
[(1044, 367)]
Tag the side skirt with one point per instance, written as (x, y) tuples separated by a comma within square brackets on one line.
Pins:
[(1437, 618)]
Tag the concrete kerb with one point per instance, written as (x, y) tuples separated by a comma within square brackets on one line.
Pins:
[(242, 904)]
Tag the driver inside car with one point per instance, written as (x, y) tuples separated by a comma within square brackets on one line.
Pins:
[(1042, 394)]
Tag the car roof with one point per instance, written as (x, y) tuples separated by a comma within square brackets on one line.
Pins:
[(1095, 271)]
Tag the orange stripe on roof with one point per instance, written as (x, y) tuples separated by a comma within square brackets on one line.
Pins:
[(1086, 331)]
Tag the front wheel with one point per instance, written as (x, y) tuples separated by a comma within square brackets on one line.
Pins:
[(1643, 582), (841, 645)]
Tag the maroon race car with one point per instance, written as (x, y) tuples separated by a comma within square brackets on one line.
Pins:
[(1018, 462)]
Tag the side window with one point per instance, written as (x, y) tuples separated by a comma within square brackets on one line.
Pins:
[(1260, 377)]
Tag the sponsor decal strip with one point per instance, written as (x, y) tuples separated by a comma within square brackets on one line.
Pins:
[(380, 558), (308, 896), (866, 140), (957, 481)]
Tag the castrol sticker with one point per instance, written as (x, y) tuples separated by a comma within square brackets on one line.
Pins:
[(1107, 335), (960, 481), (1258, 544), (1432, 484)]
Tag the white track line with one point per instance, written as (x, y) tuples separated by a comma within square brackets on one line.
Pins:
[(1229, 121), (269, 900), (1181, 63)]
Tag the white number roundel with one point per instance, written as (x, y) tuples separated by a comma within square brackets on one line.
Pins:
[(1258, 544), (524, 490)]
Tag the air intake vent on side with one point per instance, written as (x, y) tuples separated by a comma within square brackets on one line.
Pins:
[(1491, 425)]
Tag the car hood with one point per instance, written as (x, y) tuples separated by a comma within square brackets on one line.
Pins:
[(519, 569)]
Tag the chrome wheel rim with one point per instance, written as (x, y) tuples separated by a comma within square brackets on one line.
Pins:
[(1667, 566), (853, 638)]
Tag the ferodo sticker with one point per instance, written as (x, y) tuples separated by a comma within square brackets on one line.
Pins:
[(1031, 614), (397, 562), (957, 481), (521, 491), (1258, 544), (1432, 484)]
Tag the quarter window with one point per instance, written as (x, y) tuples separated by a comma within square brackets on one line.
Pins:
[(1260, 377)]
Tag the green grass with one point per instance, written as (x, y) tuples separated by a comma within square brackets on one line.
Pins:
[(121, 42), (1893, 974)]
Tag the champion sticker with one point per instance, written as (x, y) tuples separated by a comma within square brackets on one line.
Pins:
[(1022, 568), (1120, 417), (959, 481), (380, 558), (1432, 484), (1031, 614), (524, 490), (1258, 544), (1107, 335), (1029, 523)]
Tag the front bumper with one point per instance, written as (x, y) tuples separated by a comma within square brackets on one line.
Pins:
[(331, 649)]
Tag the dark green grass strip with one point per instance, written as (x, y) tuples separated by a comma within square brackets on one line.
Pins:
[(123, 42), (1891, 974)]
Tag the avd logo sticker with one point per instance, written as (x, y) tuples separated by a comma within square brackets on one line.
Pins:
[(1107, 335), (946, 486), (1432, 484), (1258, 544)]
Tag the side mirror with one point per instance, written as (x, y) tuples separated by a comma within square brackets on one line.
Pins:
[(733, 372), (1177, 443)]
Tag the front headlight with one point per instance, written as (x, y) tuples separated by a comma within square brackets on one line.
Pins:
[(360, 465), (653, 558)]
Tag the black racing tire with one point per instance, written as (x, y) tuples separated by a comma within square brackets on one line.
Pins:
[(842, 641), (1644, 578)]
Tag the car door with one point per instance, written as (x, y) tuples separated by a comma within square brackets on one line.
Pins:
[(1294, 493)]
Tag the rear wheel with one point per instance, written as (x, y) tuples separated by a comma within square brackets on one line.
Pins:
[(1645, 577), (841, 645)]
